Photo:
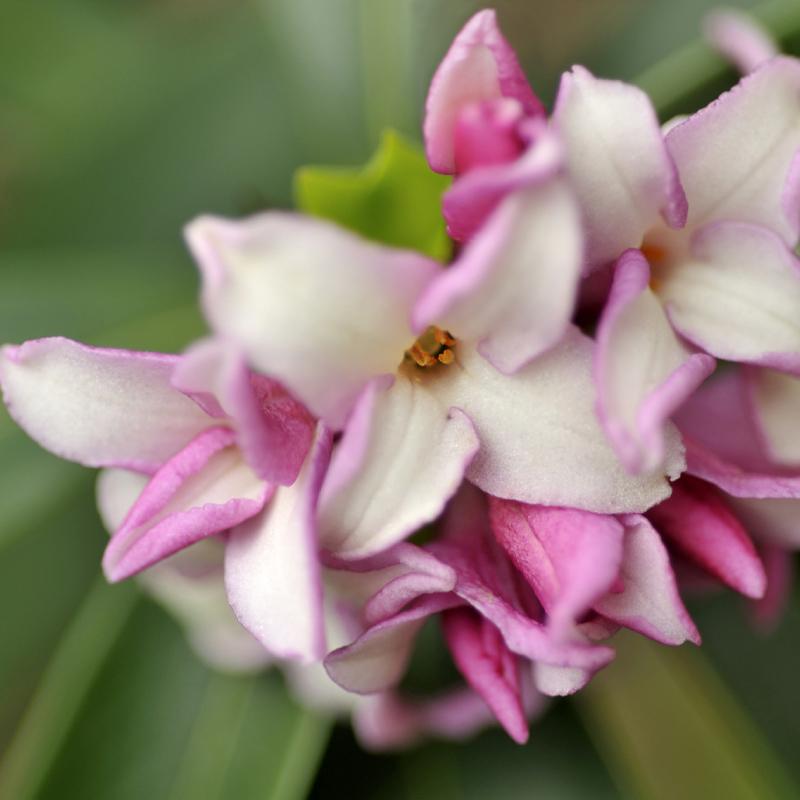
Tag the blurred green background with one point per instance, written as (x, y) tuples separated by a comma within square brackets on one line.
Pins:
[(119, 121)]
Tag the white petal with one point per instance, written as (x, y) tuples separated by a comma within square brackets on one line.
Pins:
[(96, 406), (402, 457), (737, 295), (117, 490), (734, 156), (513, 289), (272, 571), (540, 438), (311, 304), (642, 371), (618, 162)]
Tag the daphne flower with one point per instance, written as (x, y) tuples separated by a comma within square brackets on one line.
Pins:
[(524, 594), (215, 456), (711, 207), (742, 442), (427, 370)]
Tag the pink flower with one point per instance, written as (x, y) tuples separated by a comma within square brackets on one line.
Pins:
[(427, 371), (227, 452), (524, 593), (711, 210), (742, 439)]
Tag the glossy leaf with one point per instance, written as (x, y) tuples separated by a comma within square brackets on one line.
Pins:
[(394, 199)]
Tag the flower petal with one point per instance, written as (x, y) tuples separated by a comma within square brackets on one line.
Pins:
[(774, 521), (734, 155), (642, 372), (403, 455), (272, 571), (471, 199), (204, 489), (488, 666), (377, 660), (273, 430), (483, 582), (198, 602), (480, 65), (570, 558), (739, 38), (389, 721), (618, 163), (117, 491), (719, 417), (737, 272), (775, 402), (779, 566), (649, 601), (513, 288), (96, 406), (696, 520), (310, 304), (736, 481), (540, 439)]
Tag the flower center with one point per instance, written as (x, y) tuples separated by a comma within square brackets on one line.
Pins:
[(435, 346)]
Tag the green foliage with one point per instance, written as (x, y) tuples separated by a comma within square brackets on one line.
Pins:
[(394, 199)]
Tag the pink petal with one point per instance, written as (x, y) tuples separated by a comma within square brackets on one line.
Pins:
[(273, 430), (649, 601), (423, 574), (388, 721), (272, 572), (96, 406), (204, 489), (480, 65), (310, 304), (487, 134), (736, 481), (570, 558), (402, 456), (377, 660), (488, 666), (739, 38), (642, 371), (471, 199), (540, 439), (513, 288), (719, 417), (741, 272), (734, 155), (696, 520), (778, 564), (618, 163), (484, 584)]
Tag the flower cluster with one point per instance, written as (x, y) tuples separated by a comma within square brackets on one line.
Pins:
[(526, 444)]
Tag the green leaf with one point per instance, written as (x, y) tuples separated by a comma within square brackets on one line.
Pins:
[(394, 199), (64, 687), (157, 723), (667, 727)]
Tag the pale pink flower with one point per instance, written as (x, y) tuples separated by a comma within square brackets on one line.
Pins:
[(426, 370), (192, 446), (524, 593), (711, 208)]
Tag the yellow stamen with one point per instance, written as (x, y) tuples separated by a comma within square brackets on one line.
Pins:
[(433, 347)]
